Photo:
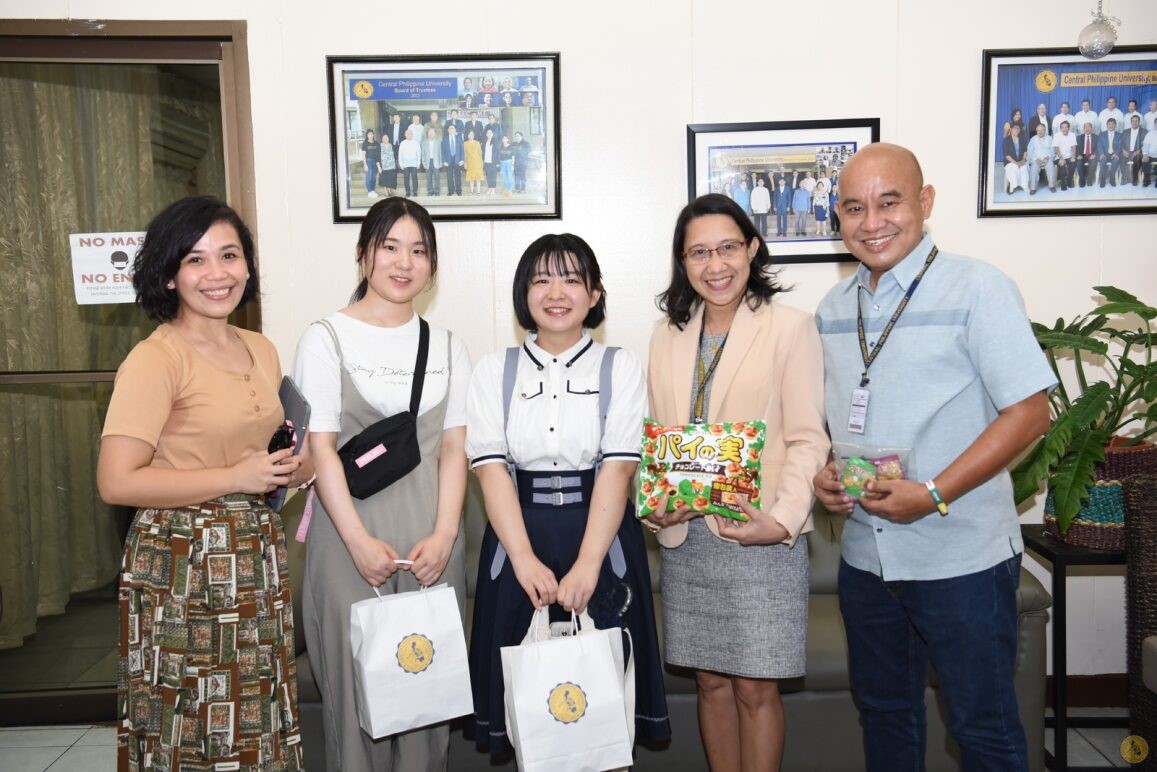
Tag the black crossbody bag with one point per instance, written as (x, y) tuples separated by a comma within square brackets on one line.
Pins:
[(386, 451)]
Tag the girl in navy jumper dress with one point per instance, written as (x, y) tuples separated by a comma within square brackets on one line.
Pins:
[(565, 412)]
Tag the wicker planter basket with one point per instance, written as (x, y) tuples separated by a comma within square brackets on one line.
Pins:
[(1141, 603), (1101, 522)]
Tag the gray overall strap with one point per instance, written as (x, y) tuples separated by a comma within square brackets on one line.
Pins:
[(605, 370), (333, 334), (509, 376), (615, 553)]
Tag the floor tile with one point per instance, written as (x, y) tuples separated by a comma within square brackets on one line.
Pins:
[(29, 759), (1108, 742), (1081, 751), (86, 758), (41, 737), (99, 735)]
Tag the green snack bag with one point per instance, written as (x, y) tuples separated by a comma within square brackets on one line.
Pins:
[(857, 472), (709, 468)]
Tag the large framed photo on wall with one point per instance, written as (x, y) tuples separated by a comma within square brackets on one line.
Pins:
[(1064, 135), (470, 137), (797, 162)]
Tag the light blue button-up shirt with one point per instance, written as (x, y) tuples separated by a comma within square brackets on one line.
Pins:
[(961, 351)]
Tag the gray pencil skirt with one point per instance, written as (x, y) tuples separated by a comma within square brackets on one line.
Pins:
[(733, 609)]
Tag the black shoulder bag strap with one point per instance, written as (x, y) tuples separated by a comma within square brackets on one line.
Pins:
[(420, 365)]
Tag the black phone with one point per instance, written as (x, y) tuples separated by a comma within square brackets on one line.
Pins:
[(282, 438)]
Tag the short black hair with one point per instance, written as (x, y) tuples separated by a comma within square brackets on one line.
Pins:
[(169, 238), (680, 299), (550, 252), (376, 227)]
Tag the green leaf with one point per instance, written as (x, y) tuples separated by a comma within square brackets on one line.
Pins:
[(1070, 483), (1074, 341), (1041, 460), (1121, 302), (1027, 475), (1090, 406), (1115, 294), (1093, 325), (1137, 338), (1140, 309)]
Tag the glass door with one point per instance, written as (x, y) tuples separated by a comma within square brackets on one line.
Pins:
[(94, 146)]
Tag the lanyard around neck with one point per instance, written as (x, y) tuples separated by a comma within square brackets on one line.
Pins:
[(705, 372), (869, 358)]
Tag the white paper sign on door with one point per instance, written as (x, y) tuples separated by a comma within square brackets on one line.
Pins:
[(102, 265)]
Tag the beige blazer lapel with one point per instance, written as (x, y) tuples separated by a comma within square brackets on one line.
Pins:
[(744, 329), (684, 350)]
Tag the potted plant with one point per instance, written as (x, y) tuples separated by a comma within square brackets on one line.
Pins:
[(1083, 453)]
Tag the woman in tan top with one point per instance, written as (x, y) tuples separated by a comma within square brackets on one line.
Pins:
[(207, 673)]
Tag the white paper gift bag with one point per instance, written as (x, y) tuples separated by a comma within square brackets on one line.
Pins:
[(570, 701), (409, 657)]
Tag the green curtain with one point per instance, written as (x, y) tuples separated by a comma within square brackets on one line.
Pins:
[(84, 150)]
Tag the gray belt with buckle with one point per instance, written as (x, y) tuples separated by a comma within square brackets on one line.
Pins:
[(557, 497)]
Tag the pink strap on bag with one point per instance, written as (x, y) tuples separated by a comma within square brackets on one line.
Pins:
[(306, 516)]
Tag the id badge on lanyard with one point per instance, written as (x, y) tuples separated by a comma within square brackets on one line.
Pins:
[(858, 414)]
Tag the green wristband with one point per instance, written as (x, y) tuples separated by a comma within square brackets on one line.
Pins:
[(941, 504)]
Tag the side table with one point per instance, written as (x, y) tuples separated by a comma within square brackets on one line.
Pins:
[(1062, 555)]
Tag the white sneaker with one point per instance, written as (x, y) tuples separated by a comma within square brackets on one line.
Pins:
[(372, 194)]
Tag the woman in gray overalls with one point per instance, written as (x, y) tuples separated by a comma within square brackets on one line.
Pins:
[(356, 367)]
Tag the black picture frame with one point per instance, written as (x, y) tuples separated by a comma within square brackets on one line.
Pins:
[(1026, 78), (520, 89), (722, 154)]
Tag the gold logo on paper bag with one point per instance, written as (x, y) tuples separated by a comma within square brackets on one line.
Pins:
[(1134, 749), (415, 653), (567, 702)]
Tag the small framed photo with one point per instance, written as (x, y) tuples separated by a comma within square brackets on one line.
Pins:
[(1064, 135), (798, 164), (470, 137)]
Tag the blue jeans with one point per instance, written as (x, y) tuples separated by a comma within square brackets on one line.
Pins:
[(507, 175), (966, 626), (371, 177)]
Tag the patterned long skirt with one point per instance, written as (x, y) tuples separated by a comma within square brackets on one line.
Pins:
[(207, 678)]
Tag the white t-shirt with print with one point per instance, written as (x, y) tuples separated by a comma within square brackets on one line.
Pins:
[(380, 361)]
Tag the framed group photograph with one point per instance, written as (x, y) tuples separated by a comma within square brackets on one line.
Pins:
[(470, 137), (798, 163), (1064, 135)]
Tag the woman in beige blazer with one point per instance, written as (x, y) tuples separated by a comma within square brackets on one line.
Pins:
[(735, 594)]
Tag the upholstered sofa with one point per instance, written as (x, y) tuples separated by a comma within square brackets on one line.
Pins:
[(823, 728)]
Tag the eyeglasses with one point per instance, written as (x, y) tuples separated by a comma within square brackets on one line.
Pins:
[(726, 251)]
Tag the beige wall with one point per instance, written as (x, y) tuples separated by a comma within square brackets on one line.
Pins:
[(913, 63)]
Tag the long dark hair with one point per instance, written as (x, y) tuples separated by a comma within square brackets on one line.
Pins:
[(170, 236), (680, 299), (379, 221), (550, 253)]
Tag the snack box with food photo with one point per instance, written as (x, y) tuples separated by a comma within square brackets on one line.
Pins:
[(709, 468)]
